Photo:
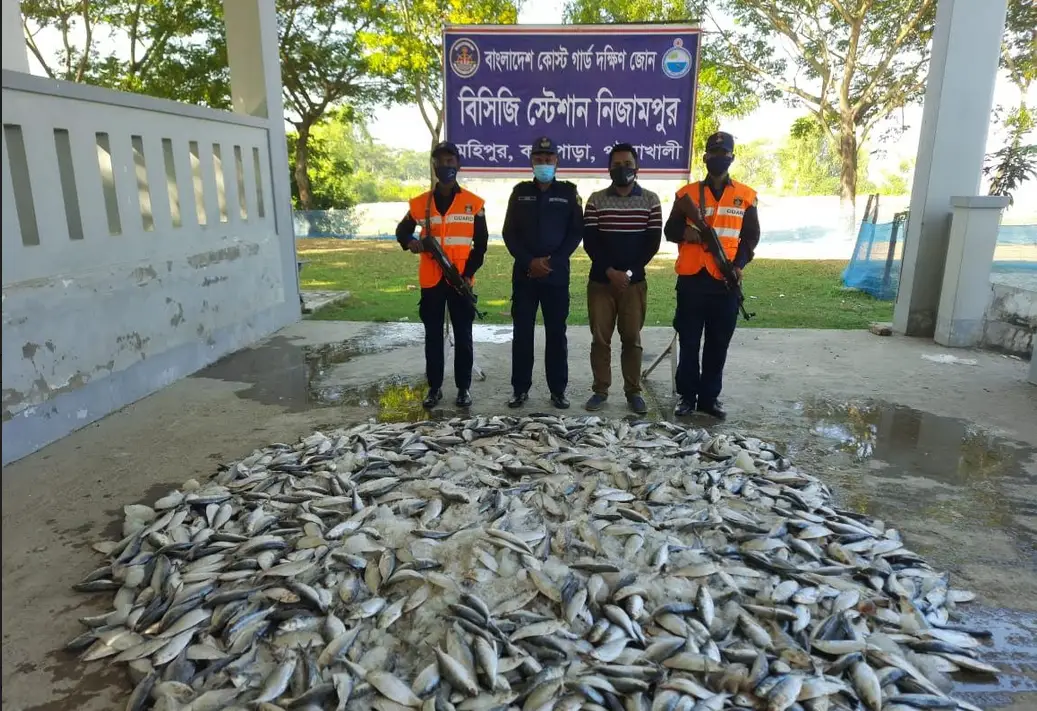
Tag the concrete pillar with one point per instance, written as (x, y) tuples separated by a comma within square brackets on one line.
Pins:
[(255, 84), (16, 54), (958, 99), (966, 274)]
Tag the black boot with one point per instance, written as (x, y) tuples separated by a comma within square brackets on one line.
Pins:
[(518, 400), (560, 401), (713, 409), (685, 406), (432, 399), (464, 398)]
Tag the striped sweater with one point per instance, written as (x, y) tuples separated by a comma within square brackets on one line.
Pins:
[(622, 232)]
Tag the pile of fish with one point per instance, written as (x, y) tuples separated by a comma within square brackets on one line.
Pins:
[(526, 563)]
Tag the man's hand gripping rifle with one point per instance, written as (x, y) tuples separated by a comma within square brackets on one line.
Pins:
[(453, 277), (691, 212)]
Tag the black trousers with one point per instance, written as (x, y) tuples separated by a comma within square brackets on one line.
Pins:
[(432, 308), (713, 315), (553, 301)]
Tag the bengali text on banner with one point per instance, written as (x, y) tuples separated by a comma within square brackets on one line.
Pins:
[(587, 87)]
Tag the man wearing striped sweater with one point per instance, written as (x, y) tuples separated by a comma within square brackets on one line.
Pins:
[(622, 230)]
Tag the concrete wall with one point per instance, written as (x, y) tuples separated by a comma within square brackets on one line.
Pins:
[(140, 243), (1011, 315)]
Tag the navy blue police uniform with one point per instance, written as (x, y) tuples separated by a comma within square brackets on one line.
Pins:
[(542, 220)]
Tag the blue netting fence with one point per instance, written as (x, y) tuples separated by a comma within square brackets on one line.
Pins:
[(874, 267)]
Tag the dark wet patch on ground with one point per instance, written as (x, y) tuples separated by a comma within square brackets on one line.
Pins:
[(1012, 648)]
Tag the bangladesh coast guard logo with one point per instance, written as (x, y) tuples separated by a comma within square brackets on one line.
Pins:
[(677, 60), (464, 58), (739, 202)]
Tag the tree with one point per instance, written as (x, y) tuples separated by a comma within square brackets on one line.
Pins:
[(324, 64), (409, 47), (177, 50), (168, 48), (721, 92), (347, 167), (1016, 162), (755, 164), (850, 63), (808, 163)]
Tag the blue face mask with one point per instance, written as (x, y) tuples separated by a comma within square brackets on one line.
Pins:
[(544, 173), (446, 173)]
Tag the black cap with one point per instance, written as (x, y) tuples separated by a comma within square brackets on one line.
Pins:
[(445, 147), (720, 141), (543, 145)]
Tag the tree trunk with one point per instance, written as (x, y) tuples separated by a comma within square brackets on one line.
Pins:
[(848, 157), (847, 175), (431, 165), (302, 166)]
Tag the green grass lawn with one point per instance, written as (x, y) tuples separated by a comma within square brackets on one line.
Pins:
[(383, 281)]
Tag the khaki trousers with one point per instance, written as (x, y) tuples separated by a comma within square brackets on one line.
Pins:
[(607, 309)]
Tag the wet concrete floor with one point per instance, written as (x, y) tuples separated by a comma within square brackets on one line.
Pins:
[(890, 442)]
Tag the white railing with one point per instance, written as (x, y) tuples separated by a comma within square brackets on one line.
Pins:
[(82, 171), (133, 228)]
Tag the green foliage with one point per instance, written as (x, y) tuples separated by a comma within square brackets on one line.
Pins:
[(721, 93), (756, 164), (348, 167), (807, 162), (408, 47), (849, 63), (1016, 162), (174, 50), (323, 65), (1019, 48)]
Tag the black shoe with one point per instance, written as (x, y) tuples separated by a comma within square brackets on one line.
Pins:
[(560, 401), (713, 409), (684, 407), (637, 404), (596, 402), (432, 399), (464, 398), (518, 400)]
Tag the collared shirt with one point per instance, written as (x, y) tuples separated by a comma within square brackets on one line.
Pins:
[(544, 222), (622, 231), (748, 237), (480, 240)]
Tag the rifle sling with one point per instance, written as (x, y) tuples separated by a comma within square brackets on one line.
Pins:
[(718, 249)]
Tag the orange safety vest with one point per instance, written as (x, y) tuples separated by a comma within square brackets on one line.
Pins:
[(455, 232), (723, 215)]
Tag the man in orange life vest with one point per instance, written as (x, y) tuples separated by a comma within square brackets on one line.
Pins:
[(705, 306), (458, 221)]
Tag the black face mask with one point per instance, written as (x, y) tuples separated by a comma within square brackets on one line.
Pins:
[(446, 173), (718, 165), (622, 176)]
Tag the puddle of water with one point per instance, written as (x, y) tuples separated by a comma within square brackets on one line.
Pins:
[(910, 442), (1012, 648), (930, 471), (280, 372), (388, 336)]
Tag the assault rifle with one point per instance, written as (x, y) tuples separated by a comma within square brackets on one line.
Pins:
[(712, 243), (453, 277)]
